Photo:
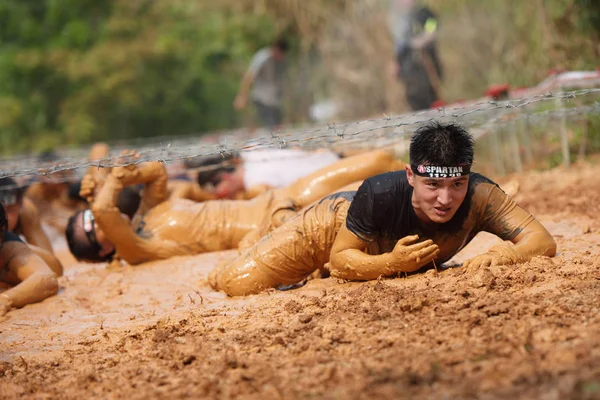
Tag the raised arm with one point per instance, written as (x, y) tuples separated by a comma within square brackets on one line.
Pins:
[(152, 175), (32, 228), (190, 191), (506, 219), (129, 245), (348, 259), (118, 230), (36, 279)]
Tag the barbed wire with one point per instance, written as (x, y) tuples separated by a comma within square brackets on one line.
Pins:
[(479, 116)]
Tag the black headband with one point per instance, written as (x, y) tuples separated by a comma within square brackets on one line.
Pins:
[(437, 171)]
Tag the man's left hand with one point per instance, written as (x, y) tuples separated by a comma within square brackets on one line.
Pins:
[(5, 304), (497, 255)]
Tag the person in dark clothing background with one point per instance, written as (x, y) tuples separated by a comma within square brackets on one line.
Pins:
[(414, 29)]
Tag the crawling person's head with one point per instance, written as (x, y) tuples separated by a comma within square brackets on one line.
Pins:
[(220, 173), (441, 156), (11, 197), (86, 240)]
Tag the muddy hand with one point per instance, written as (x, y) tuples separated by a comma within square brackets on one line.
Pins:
[(409, 257), (88, 187), (497, 255), (5, 304), (127, 173)]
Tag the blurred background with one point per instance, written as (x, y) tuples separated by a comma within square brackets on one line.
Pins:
[(74, 72)]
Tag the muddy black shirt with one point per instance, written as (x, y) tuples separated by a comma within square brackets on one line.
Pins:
[(382, 213), (8, 237)]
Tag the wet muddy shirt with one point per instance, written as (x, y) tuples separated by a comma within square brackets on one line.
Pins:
[(9, 237), (188, 227), (382, 213)]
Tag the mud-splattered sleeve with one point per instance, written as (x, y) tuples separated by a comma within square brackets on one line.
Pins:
[(361, 219), (500, 214)]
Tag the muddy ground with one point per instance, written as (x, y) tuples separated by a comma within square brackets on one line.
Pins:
[(530, 331)]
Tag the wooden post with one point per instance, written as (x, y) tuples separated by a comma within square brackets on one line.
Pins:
[(564, 134), (497, 152), (525, 133), (584, 140), (515, 148)]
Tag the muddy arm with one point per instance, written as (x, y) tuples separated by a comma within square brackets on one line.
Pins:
[(98, 152), (49, 258), (152, 175), (256, 190), (506, 219), (129, 246), (349, 261), (37, 281), (32, 228), (190, 191)]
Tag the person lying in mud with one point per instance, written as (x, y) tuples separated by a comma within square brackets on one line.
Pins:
[(245, 175), (24, 277), (23, 220), (165, 228), (56, 196), (396, 222)]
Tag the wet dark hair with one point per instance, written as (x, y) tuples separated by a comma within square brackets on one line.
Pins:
[(79, 243), (281, 43), (219, 163), (3, 224), (441, 144), (8, 188), (129, 200)]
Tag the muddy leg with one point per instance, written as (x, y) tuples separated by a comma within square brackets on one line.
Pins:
[(327, 180)]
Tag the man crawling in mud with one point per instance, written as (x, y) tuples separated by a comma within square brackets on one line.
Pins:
[(396, 222), (24, 277), (169, 227)]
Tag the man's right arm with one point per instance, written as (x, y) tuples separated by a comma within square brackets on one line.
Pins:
[(349, 261)]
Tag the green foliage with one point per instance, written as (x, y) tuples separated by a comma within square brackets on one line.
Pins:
[(75, 71), (79, 71)]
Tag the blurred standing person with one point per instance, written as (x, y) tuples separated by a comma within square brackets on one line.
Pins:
[(414, 30), (265, 81)]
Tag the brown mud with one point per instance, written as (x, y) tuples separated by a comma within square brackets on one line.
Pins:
[(157, 330)]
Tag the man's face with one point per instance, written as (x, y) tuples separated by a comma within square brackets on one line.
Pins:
[(437, 199), (12, 214)]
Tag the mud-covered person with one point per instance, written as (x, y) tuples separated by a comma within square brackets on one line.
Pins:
[(250, 173), (24, 277), (24, 220), (166, 227), (396, 222)]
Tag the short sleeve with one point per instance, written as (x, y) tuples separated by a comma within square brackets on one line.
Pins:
[(259, 59), (12, 237), (360, 219), (502, 216)]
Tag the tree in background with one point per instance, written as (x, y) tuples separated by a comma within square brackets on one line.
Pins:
[(78, 71)]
